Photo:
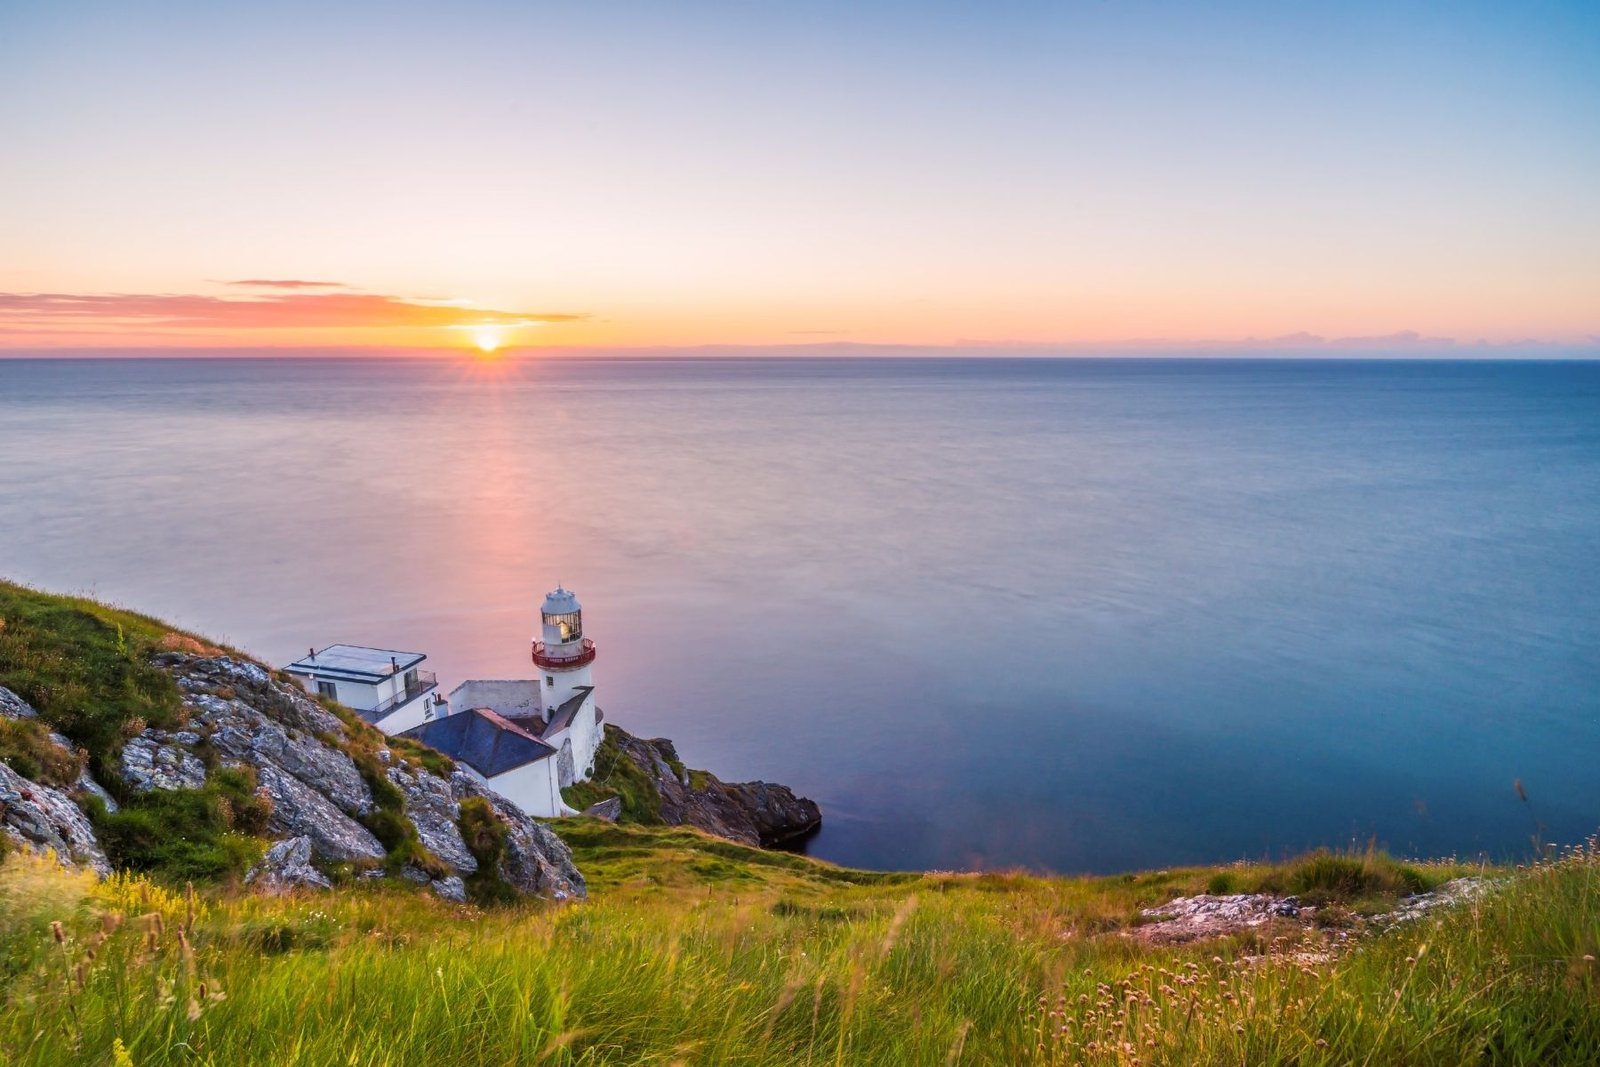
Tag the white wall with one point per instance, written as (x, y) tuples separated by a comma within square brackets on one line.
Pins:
[(356, 695), (412, 713), (565, 683), (532, 787), (513, 698)]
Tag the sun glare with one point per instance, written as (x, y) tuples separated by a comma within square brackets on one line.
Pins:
[(487, 341)]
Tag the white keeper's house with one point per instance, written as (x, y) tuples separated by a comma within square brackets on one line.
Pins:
[(525, 738), (384, 686)]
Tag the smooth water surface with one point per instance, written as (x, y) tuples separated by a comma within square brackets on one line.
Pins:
[(1078, 615)]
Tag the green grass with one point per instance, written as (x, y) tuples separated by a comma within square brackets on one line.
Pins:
[(84, 667), (697, 951), (615, 775)]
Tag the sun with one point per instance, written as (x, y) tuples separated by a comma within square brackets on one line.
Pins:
[(488, 341)]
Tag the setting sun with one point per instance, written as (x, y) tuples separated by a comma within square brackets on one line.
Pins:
[(487, 341)]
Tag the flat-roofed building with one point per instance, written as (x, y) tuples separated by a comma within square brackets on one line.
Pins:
[(386, 687)]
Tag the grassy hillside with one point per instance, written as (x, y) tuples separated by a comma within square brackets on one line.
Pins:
[(697, 951)]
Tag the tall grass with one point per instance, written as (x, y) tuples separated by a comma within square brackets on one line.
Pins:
[(698, 952)]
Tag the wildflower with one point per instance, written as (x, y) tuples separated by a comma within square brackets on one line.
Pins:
[(57, 932)]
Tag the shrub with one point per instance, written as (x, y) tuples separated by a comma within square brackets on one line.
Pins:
[(26, 746), (485, 836), (1223, 883)]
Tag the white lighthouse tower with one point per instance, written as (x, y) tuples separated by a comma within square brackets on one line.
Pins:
[(564, 656)]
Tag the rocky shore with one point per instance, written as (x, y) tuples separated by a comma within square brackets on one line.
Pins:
[(764, 814)]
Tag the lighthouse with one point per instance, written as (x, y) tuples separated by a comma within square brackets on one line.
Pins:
[(564, 657)]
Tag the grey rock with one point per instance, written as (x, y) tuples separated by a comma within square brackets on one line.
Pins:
[(433, 810), (1455, 891), (88, 785), (452, 889), (44, 819), (242, 732), (415, 874), (150, 763), (1191, 918), (298, 809), (609, 809), (14, 707), (536, 860), (286, 703), (286, 866)]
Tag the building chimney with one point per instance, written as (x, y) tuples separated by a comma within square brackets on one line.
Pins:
[(311, 654)]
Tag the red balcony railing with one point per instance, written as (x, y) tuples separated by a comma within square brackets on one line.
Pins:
[(561, 663)]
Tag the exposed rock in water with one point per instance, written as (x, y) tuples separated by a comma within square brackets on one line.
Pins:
[(286, 866), (43, 818), (754, 813)]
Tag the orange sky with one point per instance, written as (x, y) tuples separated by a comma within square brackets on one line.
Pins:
[(1069, 177)]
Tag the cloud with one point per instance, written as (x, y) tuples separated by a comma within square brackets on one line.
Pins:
[(287, 283), (289, 310)]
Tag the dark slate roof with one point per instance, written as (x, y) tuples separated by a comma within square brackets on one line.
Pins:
[(484, 740), (568, 710)]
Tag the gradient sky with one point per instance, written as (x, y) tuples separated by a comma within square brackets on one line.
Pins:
[(779, 173)]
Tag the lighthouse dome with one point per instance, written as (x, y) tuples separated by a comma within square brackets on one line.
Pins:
[(561, 601)]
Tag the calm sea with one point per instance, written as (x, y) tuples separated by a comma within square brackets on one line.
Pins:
[(1077, 615)]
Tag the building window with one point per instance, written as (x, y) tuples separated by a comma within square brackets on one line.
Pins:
[(550, 680), (328, 689)]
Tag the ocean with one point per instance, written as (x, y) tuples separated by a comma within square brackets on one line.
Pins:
[(1069, 615)]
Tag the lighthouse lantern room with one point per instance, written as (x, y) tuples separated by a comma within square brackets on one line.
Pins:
[(561, 652)]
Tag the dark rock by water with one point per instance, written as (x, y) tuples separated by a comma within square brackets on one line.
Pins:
[(753, 813)]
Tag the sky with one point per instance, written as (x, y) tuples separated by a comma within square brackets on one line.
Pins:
[(595, 175)]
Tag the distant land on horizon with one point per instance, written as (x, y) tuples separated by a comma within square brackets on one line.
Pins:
[(1302, 347)]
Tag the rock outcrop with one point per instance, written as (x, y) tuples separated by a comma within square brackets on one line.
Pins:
[(235, 714), (536, 860), (287, 865), (45, 819), (762, 814), (319, 798), (41, 817), (1207, 916)]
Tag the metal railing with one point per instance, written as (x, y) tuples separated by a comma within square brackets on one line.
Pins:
[(426, 680), (577, 659)]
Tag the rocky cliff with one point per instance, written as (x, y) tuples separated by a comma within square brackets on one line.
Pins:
[(644, 781), (336, 798)]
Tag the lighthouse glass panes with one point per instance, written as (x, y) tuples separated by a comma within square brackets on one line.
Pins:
[(569, 624)]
